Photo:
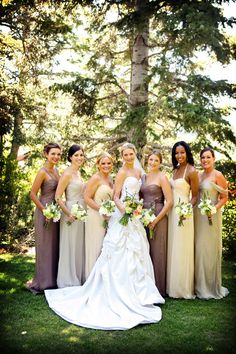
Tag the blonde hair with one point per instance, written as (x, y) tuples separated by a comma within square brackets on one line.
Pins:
[(102, 155), (127, 146)]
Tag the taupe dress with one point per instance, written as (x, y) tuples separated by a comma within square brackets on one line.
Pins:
[(46, 242), (208, 247), (153, 197)]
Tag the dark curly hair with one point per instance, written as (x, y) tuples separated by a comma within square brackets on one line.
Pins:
[(187, 150)]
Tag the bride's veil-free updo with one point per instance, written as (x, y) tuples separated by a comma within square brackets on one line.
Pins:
[(137, 163)]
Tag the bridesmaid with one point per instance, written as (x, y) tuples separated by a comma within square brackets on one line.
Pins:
[(208, 242), (156, 192), (180, 254), (47, 239), (99, 188), (71, 255)]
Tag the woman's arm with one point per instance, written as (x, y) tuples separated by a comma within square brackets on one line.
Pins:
[(35, 189), (121, 175), (90, 190), (194, 184), (62, 185), (166, 187), (221, 181)]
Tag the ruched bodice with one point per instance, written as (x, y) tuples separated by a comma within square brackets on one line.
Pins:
[(74, 191), (48, 190), (152, 196), (103, 192), (131, 187), (211, 190), (181, 189)]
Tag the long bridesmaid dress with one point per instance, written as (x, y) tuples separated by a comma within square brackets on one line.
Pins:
[(180, 253), (153, 197), (71, 255), (94, 229), (46, 243), (208, 247)]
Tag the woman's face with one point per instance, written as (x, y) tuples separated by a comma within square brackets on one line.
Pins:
[(53, 156), (78, 158), (207, 160), (180, 154), (105, 165), (128, 155), (154, 162)]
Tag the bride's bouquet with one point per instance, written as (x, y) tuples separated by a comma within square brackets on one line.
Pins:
[(51, 211), (184, 210), (107, 208), (79, 212), (207, 208), (133, 209), (148, 217)]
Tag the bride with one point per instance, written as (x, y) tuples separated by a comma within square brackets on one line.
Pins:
[(120, 292)]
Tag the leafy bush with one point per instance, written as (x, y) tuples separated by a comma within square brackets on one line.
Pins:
[(228, 168)]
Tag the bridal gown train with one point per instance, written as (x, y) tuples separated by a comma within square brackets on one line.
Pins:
[(120, 292)]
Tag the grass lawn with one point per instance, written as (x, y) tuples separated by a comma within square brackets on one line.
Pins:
[(188, 326)]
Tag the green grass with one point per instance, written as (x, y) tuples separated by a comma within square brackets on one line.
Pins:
[(188, 326)]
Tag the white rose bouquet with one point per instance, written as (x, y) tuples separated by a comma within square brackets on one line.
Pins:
[(51, 211), (107, 208), (207, 208), (79, 212), (148, 217), (184, 210)]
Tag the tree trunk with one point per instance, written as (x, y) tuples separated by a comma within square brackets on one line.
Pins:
[(138, 81)]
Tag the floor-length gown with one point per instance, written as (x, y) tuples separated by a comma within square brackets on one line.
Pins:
[(94, 229), (153, 197), (46, 242), (71, 252), (180, 250), (208, 247), (120, 292)]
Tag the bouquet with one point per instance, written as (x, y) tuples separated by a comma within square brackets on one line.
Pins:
[(148, 216), (51, 211), (133, 209), (78, 212), (207, 208), (107, 208), (184, 210)]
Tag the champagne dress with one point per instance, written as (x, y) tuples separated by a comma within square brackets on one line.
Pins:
[(71, 255), (94, 229), (46, 243), (120, 292), (153, 197), (180, 253), (208, 247)]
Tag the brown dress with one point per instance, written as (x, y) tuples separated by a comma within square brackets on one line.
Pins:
[(153, 197), (46, 243)]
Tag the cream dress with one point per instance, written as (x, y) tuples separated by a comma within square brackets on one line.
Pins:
[(180, 252), (94, 229), (208, 247), (71, 253)]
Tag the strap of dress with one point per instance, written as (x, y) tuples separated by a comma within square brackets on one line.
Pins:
[(50, 174), (185, 171)]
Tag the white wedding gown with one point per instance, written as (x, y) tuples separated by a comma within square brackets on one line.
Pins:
[(120, 292)]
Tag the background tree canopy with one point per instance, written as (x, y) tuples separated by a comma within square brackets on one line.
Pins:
[(103, 72)]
